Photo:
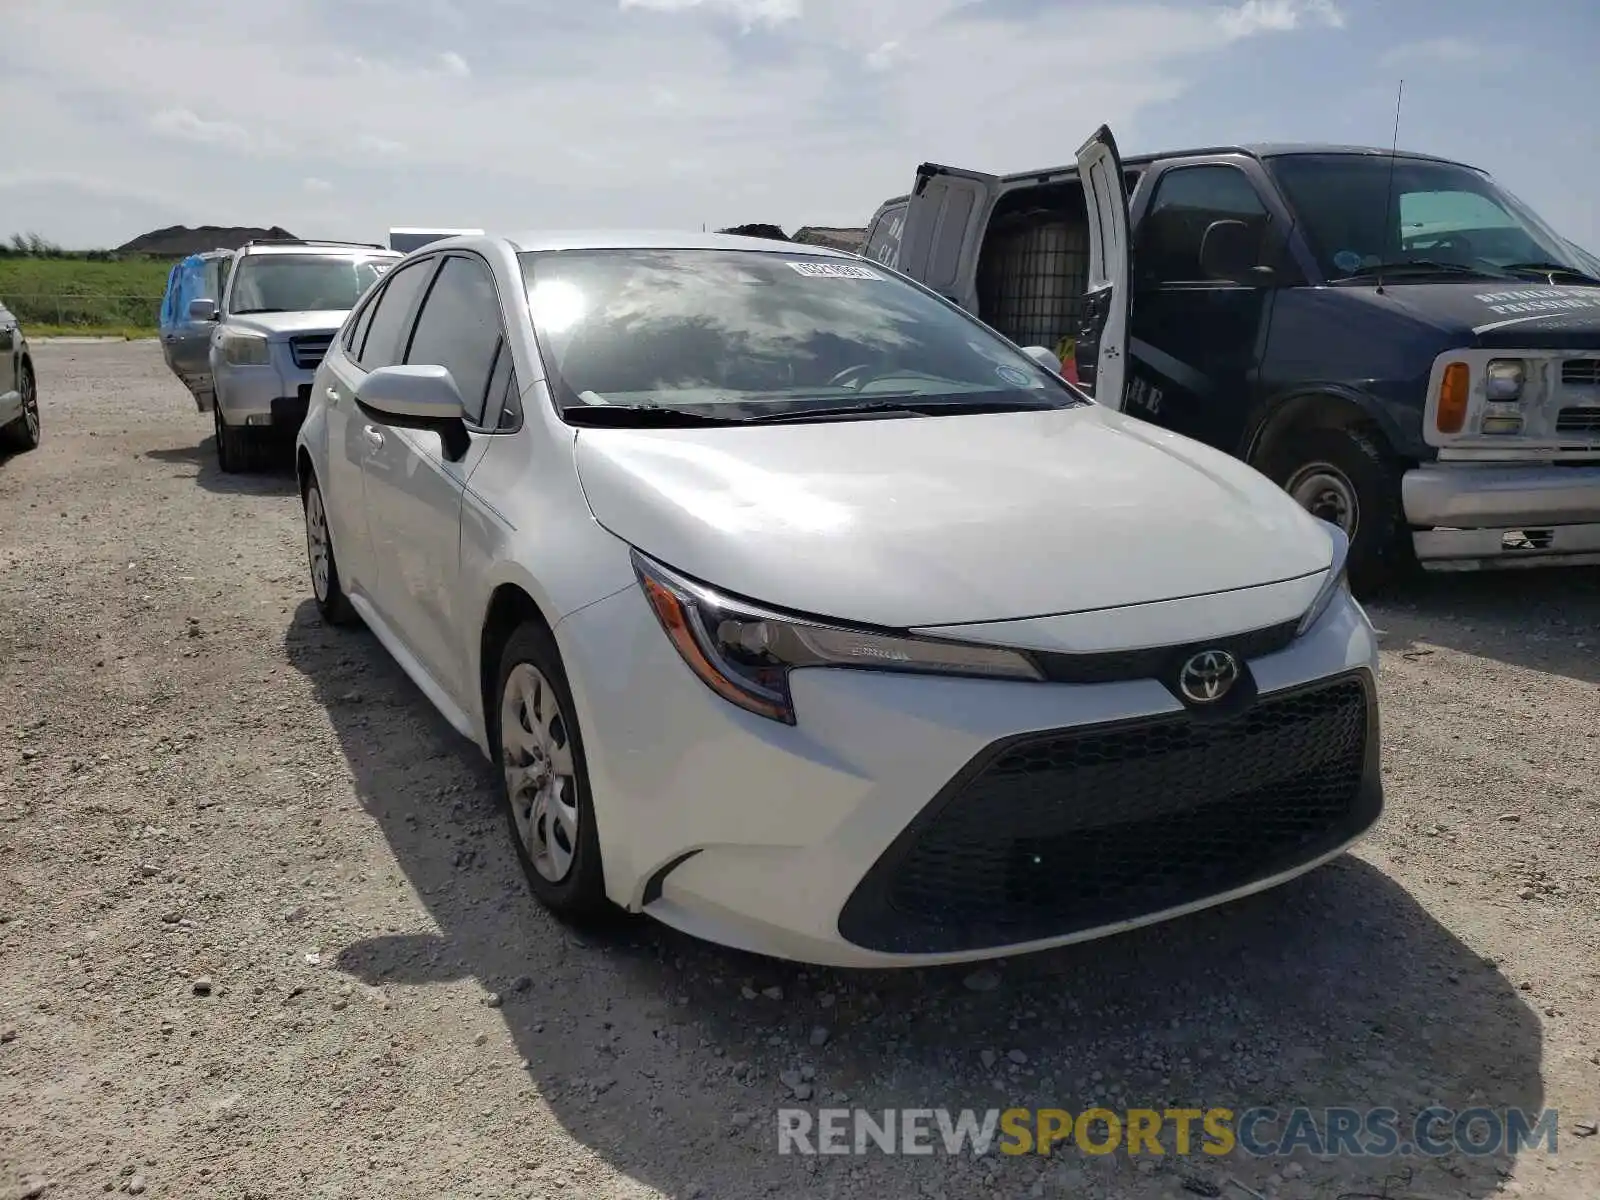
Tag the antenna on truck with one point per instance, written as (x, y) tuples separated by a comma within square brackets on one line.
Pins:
[(1388, 199)]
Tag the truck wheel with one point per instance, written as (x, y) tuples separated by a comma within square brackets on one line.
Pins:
[(1349, 479)]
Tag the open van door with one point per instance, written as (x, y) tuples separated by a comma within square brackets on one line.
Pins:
[(1102, 350), (944, 223)]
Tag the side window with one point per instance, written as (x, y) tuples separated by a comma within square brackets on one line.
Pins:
[(504, 409), (380, 343), (224, 268), (459, 329), (1186, 201), (883, 242), (357, 333)]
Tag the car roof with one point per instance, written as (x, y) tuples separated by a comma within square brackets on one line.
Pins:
[(297, 247), (561, 239)]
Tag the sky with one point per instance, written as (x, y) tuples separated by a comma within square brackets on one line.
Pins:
[(341, 118)]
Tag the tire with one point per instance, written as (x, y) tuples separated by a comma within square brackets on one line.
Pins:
[(236, 448), (1348, 477), (563, 867), (326, 589), (22, 434)]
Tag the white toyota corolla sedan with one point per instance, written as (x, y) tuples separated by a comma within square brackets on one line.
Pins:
[(804, 613)]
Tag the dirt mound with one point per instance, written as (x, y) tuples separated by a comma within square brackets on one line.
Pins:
[(179, 240)]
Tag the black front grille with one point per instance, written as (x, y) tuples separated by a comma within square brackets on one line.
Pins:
[(1578, 420), (1581, 372), (309, 349), (1161, 662), (1052, 834)]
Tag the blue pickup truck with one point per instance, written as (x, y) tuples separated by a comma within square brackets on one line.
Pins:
[(1394, 338)]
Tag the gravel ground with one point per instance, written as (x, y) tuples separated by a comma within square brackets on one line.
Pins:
[(261, 934)]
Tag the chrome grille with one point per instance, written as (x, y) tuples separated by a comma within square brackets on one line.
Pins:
[(1578, 420), (1581, 372), (309, 349)]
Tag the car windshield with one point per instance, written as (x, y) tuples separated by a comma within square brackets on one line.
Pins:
[(739, 334), (1433, 213), (302, 282)]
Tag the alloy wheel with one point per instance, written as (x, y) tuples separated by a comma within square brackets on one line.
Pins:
[(30, 405), (536, 753), (317, 542)]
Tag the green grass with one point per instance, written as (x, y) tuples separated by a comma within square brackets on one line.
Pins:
[(76, 296)]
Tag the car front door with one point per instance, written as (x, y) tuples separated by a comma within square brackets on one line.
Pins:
[(1195, 339), (375, 337), (10, 369), (943, 230), (188, 344), (414, 491), (1102, 349)]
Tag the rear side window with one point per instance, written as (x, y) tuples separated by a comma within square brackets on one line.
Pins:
[(459, 329), (1187, 200), (380, 345)]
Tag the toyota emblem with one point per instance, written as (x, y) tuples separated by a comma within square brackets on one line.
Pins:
[(1208, 676)]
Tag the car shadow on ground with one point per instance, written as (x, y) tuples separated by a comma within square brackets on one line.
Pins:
[(1541, 619), (273, 474), (667, 1056)]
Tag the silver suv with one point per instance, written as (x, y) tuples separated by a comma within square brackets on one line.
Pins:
[(284, 301)]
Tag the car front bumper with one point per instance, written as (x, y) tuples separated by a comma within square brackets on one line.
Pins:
[(911, 820), (273, 395), (1467, 516)]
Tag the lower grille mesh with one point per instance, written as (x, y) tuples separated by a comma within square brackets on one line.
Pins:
[(1073, 830)]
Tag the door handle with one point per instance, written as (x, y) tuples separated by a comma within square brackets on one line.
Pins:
[(374, 438), (332, 394)]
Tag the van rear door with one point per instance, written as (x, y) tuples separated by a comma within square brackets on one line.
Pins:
[(1102, 351), (944, 224)]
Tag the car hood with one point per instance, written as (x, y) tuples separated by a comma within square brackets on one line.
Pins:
[(948, 520), (271, 324), (1495, 313)]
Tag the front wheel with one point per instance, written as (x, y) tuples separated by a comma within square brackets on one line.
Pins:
[(539, 751), (235, 445), (1349, 479), (22, 434)]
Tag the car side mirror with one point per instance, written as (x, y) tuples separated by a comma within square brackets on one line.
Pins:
[(417, 397), (202, 310), (1228, 251), (1044, 357)]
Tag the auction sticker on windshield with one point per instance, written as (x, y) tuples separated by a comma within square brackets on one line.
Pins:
[(819, 270)]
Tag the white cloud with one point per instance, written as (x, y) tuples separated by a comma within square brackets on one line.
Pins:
[(1435, 50), (189, 126), (814, 122), (1261, 16), (747, 12), (313, 184)]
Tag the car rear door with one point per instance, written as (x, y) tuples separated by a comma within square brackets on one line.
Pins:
[(377, 337), (1102, 351), (944, 223), (414, 492)]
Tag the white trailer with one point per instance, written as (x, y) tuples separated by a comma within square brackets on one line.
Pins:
[(407, 240)]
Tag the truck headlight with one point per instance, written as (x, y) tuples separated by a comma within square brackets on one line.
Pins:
[(1503, 379), (744, 653), (241, 349), (1338, 579)]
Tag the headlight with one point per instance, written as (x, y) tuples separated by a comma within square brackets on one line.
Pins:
[(744, 653), (245, 349), (1503, 379), (1336, 582)]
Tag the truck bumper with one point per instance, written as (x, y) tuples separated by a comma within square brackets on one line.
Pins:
[(1467, 516)]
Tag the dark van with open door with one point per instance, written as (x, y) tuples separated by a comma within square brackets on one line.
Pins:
[(1399, 342)]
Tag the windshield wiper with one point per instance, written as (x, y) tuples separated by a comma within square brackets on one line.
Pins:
[(903, 404), (1419, 266), (642, 416), (1553, 268)]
